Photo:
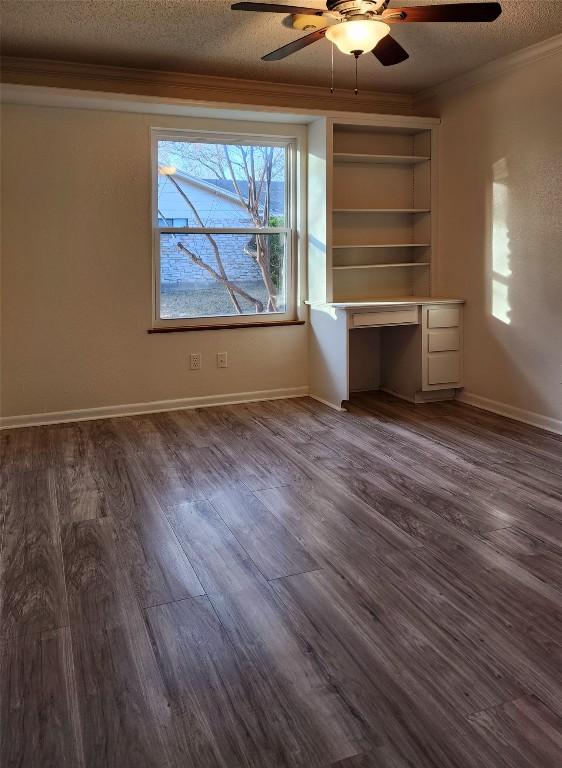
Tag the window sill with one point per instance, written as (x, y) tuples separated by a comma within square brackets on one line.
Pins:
[(223, 326)]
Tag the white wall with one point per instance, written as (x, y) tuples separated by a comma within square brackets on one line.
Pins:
[(77, 274), (501, 235)]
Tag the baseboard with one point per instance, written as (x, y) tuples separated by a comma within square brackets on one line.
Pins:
[(400, 396), (133, 409), (519, 414), (326, 402), (432, 396)]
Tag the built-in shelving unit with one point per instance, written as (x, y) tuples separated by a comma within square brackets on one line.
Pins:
[(381, 197), (371, 226), (372, 231)]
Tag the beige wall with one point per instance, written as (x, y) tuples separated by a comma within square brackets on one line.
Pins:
[(500, 233), (76, 275)]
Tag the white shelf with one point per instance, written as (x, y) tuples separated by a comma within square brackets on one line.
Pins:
[(386, 266), (381, 210), (354, 157), (384, 245)]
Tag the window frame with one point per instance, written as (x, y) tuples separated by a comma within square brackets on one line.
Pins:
[(291, 145)]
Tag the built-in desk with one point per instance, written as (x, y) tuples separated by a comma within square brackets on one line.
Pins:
[(411, 347)]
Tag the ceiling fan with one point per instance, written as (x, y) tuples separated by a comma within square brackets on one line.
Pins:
[(361, 26)]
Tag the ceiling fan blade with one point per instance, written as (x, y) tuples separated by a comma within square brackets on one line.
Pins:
[(295, 46), (447, 12), (389, 52), (274, 8)]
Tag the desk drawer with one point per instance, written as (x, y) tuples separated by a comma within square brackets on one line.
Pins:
[(405, 316), (443, 317), (444, 368), (443, 340)]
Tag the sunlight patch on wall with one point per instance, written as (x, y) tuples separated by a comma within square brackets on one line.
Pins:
[(501, 262)]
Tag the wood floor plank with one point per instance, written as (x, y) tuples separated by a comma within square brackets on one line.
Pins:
[(121, 698), (79, 487), (32, 592), (267, 640), (205, 685), (487, 453), (28, 448), (256, 474), (482, 629), (211, 471), (146, 437), (403, 713), (525, 732), (98, 589), (219, 560), (403, 468), (199, 452), (407, 639), (38, 706), (185, 429), (235, 711), (524, 442), (125, 713), (270, 545), (346, 546), (501, 585), (509, 498), (329, 498), (541, 558), (377, 758), (151, 553)]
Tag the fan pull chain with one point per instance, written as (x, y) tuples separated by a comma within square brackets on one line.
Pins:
[(356, 54), (332, 72)]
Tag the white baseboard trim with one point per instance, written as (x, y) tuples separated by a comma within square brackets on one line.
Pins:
[(519, 414), (333, 406), (134, 409)]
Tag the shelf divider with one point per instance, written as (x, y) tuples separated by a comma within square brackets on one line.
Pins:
[(383, 245), (381, 210), (356, 157), (384, 266)]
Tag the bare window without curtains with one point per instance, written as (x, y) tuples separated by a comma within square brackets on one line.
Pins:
[(223, 227)]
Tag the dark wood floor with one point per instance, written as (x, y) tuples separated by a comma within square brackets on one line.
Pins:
[(279, 585)]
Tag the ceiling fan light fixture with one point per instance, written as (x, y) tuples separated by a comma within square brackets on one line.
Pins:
[(359, 36)]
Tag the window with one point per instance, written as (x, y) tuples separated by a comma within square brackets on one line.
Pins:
[(223, 228)]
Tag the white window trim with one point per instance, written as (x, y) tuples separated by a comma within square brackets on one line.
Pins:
[(290, 230)]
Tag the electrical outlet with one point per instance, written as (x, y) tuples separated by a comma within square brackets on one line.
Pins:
[(195, 361), (222, 360)]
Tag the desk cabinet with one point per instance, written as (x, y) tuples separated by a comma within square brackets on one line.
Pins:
[(441, 347), (411, 348)]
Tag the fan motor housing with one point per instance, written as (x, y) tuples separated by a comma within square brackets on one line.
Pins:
[(307, 23), (356, 7)]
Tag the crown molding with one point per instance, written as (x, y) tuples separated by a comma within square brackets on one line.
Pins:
[(502, 66), (203, 88)]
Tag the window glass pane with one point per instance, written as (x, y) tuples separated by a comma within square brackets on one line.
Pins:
[(222, 275), (221, 185)]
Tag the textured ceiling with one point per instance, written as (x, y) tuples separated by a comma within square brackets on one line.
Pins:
[(206, 37)]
